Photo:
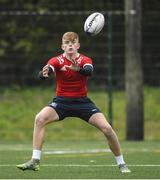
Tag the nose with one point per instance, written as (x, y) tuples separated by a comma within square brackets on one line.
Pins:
[(70, 43)]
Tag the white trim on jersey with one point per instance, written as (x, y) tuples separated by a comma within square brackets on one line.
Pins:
[(87, 65), (51, 67), (78, 55)]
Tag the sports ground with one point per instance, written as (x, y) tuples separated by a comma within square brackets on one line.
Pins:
[(81, 160)]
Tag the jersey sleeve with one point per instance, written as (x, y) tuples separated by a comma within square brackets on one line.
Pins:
[(87, 61), (53, 63)]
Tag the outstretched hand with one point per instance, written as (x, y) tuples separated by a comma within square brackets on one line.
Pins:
[(74, 66), (45, 70)]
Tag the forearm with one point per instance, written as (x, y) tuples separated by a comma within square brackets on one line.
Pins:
[(86, 70)]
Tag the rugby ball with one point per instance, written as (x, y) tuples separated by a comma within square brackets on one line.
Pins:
[(94, 23)]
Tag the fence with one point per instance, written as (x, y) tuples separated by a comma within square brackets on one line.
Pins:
[(31, 34)]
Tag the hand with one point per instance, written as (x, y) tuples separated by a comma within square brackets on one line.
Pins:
[(74, 66), (45, 70)]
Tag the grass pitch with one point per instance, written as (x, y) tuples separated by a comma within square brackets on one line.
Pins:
[(81, 160)]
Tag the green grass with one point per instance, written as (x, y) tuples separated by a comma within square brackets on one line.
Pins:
[(86, 165), (18, 108)]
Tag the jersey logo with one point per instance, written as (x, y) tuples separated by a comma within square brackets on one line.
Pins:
[(53, 104), (60, 59), (79, 60)]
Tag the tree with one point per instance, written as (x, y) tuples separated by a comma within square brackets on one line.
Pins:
[(133, 71)]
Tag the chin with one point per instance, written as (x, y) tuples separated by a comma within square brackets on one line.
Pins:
[(70, 53)]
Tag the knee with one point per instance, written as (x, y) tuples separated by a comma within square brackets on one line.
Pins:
[(107, 130), (39, 120)]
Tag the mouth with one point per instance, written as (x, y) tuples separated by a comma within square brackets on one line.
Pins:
[(70, 49)]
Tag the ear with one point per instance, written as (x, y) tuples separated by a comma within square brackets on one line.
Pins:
[(62, 47), (78, 45)]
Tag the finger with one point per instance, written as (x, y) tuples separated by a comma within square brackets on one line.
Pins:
[(46, 66), (45, 74)]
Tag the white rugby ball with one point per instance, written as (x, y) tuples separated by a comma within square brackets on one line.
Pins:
[(94, 23)]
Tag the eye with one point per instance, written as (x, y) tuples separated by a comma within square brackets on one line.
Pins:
[(66, 42)]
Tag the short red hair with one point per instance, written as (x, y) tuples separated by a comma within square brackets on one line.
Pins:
[(70, 36)]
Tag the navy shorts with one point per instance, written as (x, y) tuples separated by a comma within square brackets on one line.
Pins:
[(82, 108)]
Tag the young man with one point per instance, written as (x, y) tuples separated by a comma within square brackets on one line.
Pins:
[(71, 70)]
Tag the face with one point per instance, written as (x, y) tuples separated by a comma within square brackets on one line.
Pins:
[(70, 46)]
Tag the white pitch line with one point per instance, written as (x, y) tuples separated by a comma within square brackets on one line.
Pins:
[(87, 165), (100, 165), (71, 151), (77, 151)]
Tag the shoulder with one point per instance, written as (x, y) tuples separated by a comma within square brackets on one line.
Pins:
[(56, 60), (85, 59)]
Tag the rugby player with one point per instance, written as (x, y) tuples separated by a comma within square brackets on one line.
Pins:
[(71, 70)]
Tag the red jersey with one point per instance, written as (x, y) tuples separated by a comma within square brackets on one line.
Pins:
[(69, 83)]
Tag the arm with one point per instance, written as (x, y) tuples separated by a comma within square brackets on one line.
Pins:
[(87, 70), (45, 73)]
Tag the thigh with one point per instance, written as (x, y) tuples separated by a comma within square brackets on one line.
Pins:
[(98, 120), (48, 114)]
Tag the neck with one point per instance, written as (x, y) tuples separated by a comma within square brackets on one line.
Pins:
[(71, 57)]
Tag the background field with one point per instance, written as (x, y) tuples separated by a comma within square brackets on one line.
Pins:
[(67, 161), (19, 106)]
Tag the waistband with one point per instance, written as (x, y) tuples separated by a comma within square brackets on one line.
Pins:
[(72, 99)]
